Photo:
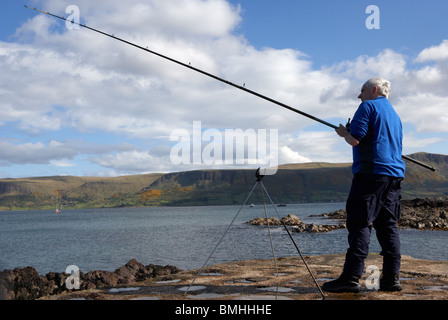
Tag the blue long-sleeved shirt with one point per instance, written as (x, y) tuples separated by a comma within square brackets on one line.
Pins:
[(378, 128)]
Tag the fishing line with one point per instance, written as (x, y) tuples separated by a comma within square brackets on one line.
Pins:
[(243, 88), (189, 66)]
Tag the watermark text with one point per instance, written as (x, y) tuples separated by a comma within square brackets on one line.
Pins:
[(73, 19), (373, 20), (225, 147), (73, 281)]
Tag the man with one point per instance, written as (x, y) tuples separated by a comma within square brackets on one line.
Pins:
[(375, 134)]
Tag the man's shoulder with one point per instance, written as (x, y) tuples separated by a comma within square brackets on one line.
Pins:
[(374, 104), (376, 101)]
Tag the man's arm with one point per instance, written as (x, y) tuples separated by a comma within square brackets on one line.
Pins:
[(343, 132)]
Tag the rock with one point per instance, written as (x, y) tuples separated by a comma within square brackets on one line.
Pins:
[(163, 271), (289, 220), (98, 279), (422, 214), (27, 284), (128, 272), (425, 214), (314, 228), (296, 224), (7, 285), (338, 214), (273, 221), (292, 220), (56, 282), (253, 279)]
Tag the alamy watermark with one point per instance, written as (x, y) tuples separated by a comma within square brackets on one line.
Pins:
[(373, 20), (73, 280), (73, 19), (226, 147), (373, 280)]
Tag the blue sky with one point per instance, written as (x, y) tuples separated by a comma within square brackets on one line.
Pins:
[(76, 103)]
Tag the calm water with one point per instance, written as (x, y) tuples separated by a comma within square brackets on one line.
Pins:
[(105, 239)]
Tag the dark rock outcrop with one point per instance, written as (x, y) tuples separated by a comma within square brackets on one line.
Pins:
[(426, 214), (295, 223), (422, 214), (27, 284)]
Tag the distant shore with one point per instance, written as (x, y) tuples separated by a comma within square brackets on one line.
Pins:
[(315, 182)]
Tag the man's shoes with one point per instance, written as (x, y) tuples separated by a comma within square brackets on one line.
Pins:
[(390, 282), (345, 283)]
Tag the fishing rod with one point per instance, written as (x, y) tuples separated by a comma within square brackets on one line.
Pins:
[(189, 66)]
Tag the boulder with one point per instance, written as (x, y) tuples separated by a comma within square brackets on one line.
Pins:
[(7, 285), (273, 221), (296, 224), (98, 278), (56, 282), (422, 214), (292, 220), (27, 284)]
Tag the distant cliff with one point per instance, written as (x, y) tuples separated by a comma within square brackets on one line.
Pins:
[(293, 183)]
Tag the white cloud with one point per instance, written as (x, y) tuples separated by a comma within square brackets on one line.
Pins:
[(313, 146), (388, 64), (54, 152), (286, 155), (418, 93), (425, 110), (37, 153), (131, 162), (411, 141), (56, 78), (61, 163), (434, 53)]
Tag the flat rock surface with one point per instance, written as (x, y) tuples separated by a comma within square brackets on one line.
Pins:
[(284, 279)]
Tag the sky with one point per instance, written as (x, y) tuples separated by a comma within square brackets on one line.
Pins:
[(74, 102)]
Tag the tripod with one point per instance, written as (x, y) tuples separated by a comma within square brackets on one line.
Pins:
[(259, 177)]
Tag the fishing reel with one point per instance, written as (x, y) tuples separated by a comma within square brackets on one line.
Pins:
[(347, 126)]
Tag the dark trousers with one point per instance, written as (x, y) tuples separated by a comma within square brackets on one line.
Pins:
[(373, 199)]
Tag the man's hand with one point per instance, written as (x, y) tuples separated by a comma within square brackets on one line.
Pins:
[(343, 132)]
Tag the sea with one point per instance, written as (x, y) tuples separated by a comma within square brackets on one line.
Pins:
[(185, 237)]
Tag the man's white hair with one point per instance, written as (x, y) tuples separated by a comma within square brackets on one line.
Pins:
[(383, 86)]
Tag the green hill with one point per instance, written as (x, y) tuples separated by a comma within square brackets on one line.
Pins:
[(74, 192), (293, 183)]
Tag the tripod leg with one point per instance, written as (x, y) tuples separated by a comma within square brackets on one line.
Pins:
[(220, 240), (269, 232), (292, 239)]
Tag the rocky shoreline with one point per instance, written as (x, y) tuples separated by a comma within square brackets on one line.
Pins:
[(285, 279), (421, 214), (27, 284), (295, 223)]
